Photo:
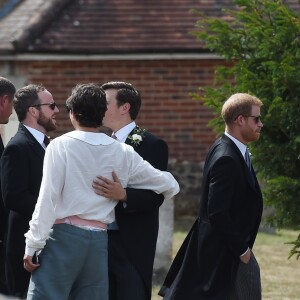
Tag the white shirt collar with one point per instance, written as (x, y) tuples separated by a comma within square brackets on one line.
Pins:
[(38, 135), (92, 138), (242, 147), (123, 133)]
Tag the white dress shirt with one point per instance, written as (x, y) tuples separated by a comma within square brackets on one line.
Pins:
[(38, 135), (71, 163), (242, 147), (123, 133)]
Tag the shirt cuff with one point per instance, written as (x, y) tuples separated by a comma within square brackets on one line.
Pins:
[(30, 251), (244, 252)]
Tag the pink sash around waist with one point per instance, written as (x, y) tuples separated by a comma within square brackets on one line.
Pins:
[(75, 220)]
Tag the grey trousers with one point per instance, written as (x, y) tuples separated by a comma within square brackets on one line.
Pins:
[(73, 265), (247, 285)]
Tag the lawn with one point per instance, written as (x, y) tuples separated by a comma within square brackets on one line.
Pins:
[(280, 275)]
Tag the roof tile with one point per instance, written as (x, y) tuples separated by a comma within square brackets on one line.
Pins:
[(114, 26), (107, 26)]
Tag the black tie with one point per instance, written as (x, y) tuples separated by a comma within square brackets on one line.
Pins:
[(46, 141), (1, 146)]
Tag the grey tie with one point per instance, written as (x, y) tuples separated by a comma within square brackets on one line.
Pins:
[(248, 162), (247, 159)]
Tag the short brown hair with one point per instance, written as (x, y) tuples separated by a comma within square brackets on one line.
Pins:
[(7, 87), (238, 104), (25, 97), (126, 92)]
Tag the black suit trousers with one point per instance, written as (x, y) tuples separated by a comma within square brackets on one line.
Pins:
[(122, 273), (3, 284), (17, 277)]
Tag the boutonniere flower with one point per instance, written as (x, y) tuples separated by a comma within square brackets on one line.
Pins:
[(138, 134)]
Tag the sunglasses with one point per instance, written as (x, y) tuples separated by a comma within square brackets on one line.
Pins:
[(52, 105), (256, 119)]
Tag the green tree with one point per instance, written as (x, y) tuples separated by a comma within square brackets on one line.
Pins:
[(260, 44)]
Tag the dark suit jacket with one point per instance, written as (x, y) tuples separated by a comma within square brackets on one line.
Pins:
[(21, 175), (3, 222), (229, 216), (138, 222), (3, 214)]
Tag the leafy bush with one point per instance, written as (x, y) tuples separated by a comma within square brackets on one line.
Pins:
[(260, 44)]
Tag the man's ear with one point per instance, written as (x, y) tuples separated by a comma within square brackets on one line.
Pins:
[(240, 120), (3, 100), (126, 107), (33, 111)]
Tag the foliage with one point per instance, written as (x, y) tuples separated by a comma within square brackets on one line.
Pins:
[(260, 43)]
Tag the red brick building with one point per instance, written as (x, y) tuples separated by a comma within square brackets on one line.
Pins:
[(60, 43)]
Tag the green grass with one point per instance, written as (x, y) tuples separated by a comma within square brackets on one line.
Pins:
[(280, 276)]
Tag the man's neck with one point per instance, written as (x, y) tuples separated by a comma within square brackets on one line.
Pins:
[(87, 129), (236, 134), (121, 125), (34, 126)]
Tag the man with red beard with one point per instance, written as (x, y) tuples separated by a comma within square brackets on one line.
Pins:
[(22, 166), (216, 260)]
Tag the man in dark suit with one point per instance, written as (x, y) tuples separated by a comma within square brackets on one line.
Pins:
[(132, 239), (216, 260), (7, 91), (21, 174)]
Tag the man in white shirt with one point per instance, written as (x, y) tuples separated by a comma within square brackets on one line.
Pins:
[(21, 175), (73, 258)]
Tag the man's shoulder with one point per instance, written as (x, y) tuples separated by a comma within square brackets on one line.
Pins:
[(20, 137), (153, 145), (224, 143), (152, 138), (23, 138), (222, 150)]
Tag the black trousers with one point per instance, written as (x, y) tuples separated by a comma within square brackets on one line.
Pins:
[(125, 281), (3, 283), (247, 285)]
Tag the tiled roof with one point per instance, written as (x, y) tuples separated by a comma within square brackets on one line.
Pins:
[(112, 26), (26, 21), (106, 26), (15, 22)]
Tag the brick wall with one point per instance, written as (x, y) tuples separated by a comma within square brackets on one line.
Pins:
[(167, 109)]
